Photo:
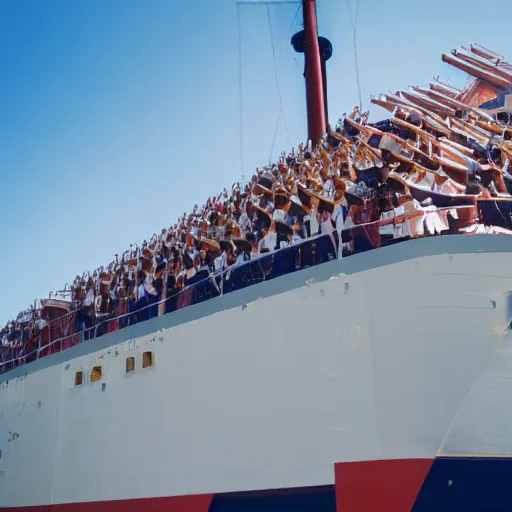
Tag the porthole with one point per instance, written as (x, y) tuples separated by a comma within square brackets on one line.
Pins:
[(96, 373), (148, 359)]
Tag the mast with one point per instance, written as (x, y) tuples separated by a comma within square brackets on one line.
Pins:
[(317, 52)]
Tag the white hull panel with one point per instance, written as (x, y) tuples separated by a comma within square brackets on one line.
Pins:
[(272, 393)]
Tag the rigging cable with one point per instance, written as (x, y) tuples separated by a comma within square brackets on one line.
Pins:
[(353, 22), (275, 137), (295, 17), (240, 79), (276, 74), (241, 118)]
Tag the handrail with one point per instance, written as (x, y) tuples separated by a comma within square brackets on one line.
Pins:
[(212, 276)]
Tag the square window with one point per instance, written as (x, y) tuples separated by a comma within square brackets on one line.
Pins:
[(130, 364), (148, 359), (96, 373)]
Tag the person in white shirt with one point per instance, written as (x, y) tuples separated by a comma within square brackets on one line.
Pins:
[(268, 241), (85, 316), (279, 216), (151, 294), (245, 222), (102, 307), (223, 261), (286, 243), (89, 298), (314, 226), (141, 292), (339, 221), (298, 233), (324, 219), (254, 246)]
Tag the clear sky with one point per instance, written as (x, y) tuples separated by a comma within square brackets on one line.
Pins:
[(116, 116)]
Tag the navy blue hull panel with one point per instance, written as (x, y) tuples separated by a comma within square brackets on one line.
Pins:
[(309, 499), (467, 484)]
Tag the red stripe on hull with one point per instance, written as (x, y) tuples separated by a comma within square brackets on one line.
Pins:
[(195, 503), (387, 485)]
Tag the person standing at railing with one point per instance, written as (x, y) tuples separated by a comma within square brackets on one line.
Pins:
[(85, 313), (158, 285), (191, 268), (299, 233), (113, 325), (311, 220), (338, 221), (241, 256), (222, 262), (245, 222), (6, 337), (203, 261), (158, 282), (101, 306), (140, 302), (163, 293), (323, 217), (287, 241), (149, 295), (171, 287), (254, 246), (268, 241)]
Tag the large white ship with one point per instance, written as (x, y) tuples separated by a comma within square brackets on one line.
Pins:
[(321, 376)]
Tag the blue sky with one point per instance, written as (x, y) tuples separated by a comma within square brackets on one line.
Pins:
[(116, 116)]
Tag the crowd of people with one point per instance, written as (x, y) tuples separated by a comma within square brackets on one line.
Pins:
[(360, 174)]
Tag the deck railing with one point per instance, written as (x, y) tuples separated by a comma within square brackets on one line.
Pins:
[(205, 285)]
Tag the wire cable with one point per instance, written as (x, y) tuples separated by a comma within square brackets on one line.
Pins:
[(240, 93), (295, 17), (353, 22), (276, 73), (275, 137)]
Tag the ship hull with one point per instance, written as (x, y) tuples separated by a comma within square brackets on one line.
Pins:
[(378, 382), (473, 484)]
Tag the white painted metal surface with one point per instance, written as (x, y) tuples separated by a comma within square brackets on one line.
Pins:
[(372, 365)]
